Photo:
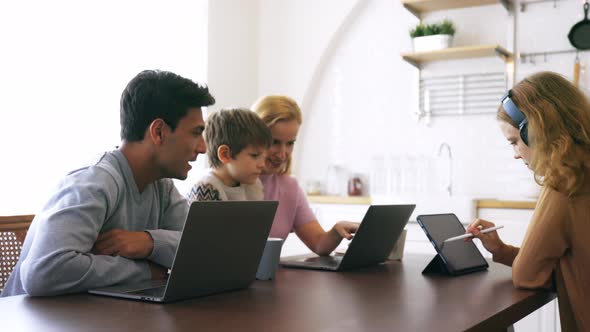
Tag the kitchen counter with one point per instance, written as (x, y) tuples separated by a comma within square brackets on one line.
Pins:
[(504, 204), (479, 203), (355, 200)]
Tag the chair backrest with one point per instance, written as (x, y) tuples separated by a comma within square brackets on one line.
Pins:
[(13, 230)]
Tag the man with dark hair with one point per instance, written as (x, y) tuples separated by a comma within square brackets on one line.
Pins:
[(119, 220)]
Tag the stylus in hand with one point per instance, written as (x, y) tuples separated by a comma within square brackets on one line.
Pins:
[(466, 235)]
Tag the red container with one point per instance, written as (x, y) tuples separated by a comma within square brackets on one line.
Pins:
[(355, 186)]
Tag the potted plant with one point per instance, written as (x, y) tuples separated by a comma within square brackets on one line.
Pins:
[(435, 36)]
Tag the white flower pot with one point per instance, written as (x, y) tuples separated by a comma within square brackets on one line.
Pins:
[(432, 43)]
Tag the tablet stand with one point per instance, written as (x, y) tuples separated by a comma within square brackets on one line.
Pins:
[(436, 266)]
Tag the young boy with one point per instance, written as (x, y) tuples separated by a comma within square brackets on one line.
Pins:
[(237, 140)]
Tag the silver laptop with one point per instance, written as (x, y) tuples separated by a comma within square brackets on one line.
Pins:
[(381, 227), (219, 250)]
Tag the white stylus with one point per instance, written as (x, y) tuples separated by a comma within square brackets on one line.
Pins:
[(466, 235)]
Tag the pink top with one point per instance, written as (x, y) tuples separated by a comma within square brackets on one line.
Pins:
[(293, 208)]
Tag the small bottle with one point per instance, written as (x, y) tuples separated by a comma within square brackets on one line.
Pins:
[(355, 186)]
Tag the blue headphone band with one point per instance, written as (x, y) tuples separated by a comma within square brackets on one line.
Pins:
[(513, 111), (516, 115)]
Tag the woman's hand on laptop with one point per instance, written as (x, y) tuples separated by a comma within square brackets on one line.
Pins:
[(119, 242), (346, 228), (322, 242)]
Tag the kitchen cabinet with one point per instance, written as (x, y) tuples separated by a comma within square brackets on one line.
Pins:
[(515, 222), (514, 215)]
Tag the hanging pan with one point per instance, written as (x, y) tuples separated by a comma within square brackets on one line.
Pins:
[(579, 35)]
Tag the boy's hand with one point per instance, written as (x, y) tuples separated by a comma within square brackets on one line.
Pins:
[(119, 242)]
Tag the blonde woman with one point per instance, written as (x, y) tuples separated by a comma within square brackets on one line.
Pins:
[(283, 116), (547, 121)]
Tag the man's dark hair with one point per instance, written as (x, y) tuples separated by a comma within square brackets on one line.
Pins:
[(154, 94)]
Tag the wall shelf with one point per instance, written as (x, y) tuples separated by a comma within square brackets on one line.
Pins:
[(422, 7), (464, 52), (469, 96)]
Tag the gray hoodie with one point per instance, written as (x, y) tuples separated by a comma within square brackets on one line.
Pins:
[(56, 256)]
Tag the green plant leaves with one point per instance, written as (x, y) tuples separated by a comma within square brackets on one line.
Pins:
[(445, 27)]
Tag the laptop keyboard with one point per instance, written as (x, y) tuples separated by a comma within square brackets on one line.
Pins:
[(325, 260), (155, 292)]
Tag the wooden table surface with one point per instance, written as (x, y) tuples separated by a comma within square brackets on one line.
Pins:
[(391, 297)]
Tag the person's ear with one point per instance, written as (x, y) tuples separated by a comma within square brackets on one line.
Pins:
[(157, 131), (224, 154)]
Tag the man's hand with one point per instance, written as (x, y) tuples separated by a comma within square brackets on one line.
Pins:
[(158, 271), (119, 242)]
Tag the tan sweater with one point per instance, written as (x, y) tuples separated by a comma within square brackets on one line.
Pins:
[(556, 249)]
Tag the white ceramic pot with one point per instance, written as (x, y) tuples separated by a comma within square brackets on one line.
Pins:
[(432, 43)]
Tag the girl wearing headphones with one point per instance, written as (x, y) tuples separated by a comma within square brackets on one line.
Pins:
[(546, 119)]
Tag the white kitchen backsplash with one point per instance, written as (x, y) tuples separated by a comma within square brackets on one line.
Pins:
[(361, 117), (409, 175)]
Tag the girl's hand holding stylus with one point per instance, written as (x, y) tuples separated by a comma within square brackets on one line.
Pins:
[(491, 241)]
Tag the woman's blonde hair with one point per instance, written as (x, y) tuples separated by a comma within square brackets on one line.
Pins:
[(558, 116), (272, 109)]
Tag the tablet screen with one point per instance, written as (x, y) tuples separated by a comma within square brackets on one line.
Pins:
[(458, 255)]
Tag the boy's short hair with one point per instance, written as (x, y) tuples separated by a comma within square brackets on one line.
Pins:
[(237, 128)]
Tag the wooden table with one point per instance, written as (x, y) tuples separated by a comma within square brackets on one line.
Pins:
[(392, 297)]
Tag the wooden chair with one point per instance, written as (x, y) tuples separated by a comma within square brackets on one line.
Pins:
[(13, 230)]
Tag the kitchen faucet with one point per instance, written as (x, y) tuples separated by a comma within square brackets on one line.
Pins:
[(446, 146)]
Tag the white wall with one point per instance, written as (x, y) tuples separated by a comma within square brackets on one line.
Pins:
[(64, 65), (370, 95), (338, 58), (232, 63), (260, 47), (359, 103), (293, 37), (544, 27), (232, 70)]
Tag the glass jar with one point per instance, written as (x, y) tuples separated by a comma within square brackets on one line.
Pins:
[(355, 186)]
